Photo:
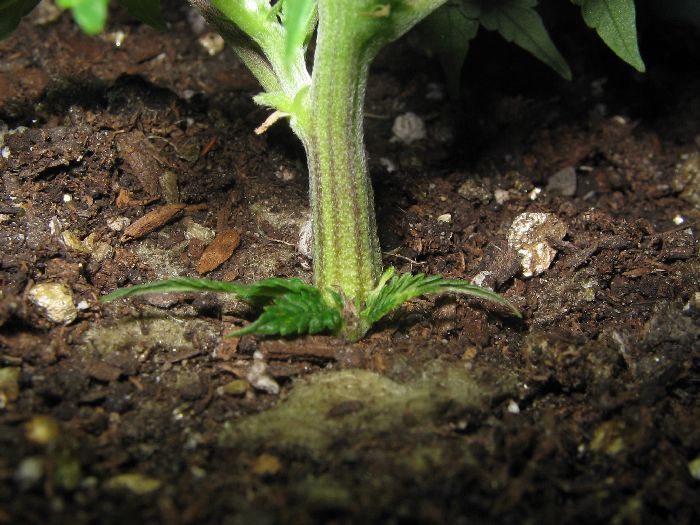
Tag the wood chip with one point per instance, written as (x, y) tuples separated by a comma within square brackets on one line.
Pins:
[(102, 371), (124, 198), (219, 250), (311, 349), (152, 221), (140, 159)]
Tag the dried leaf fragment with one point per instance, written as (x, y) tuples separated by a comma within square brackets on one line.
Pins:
[(219, 251), (152, 221), (140, 159)]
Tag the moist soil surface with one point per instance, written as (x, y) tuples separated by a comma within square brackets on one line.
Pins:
[(450, 410)]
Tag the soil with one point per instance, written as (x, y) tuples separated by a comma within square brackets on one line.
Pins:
[(450, 411)]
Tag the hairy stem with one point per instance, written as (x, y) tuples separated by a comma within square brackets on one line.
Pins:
[(346, 248)]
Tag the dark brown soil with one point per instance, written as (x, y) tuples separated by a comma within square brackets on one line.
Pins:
[(140, 411)]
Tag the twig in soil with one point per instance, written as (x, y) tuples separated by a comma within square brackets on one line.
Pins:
[(11, 210), (655, 238), (204, 403), (582, 256), (279, 241), (137, 383), (208, 147), (403, 257), (183, 356), (225, 367)]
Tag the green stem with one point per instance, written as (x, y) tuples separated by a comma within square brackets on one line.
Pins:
[(346, 249)]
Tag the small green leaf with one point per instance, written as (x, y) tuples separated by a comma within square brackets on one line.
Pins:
[(299, 18), (175, 285), (147, 11), (615, 23), (257, 294), (291, 307), (90, 15), (277, 100), (448, 32), (518, 22), (11, 12), (303, 311), (267, 290), (392, 291)]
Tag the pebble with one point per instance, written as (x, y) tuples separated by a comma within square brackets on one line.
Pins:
[(474, 190), (266, 465), (42, 430), (285, 174), (73, 242), (563, 182), (694, 468), (528, 236), (189, 385), (194, 230), (483, 279), (388, 164), (259, 377), (9, 385), (118, 224), (133, 482), (305, 244), (408, 128), (212, 42), (29, 472), (237, 387), (56, 300), (435, 91), (445, 218), (534, 194), (687, 179), (501, 196)]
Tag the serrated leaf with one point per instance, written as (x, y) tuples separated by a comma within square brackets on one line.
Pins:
[(295, 313), (299, 21), (11, 12), (394, 290), (257, 294), (90, 15), (448, 32), (615, 23), (265, 291), (147, 11), (518, 22), (175, 285)]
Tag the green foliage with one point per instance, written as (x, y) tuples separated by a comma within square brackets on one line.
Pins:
[(174, 285), (11, 12), (147, 11), (299, 19), (303, 311), (292, 307), (257, 294), (448, 32), (518, 22), (90, 15), (450, 29), (394, 290), (615, 23)]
